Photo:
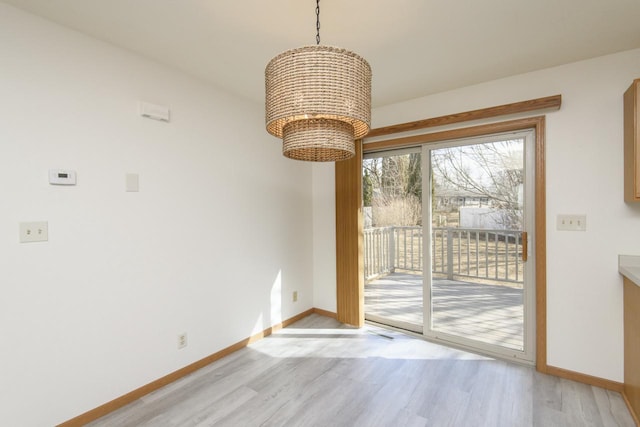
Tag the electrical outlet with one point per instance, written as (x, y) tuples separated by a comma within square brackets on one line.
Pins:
[(295, 296), (34, 231), (572, 222), (182, 340)]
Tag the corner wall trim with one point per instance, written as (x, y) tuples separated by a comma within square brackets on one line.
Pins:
[(585, 379), (631, 410), (593, 381), (325, 313), (136, 394)]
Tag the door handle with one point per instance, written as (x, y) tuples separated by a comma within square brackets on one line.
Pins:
[(525, 246)]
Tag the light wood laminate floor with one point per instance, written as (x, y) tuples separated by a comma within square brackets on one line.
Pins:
[(318, 372)]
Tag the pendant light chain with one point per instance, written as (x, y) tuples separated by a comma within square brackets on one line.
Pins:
[(317, 21)]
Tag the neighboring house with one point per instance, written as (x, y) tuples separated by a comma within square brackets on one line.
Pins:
[(451, 200)]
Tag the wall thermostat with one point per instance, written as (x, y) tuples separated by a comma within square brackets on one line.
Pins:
[(62, 177)]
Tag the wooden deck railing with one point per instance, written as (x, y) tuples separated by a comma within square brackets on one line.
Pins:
[(455, 252)]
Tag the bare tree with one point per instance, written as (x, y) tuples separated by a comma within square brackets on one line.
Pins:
[(392, 187), (491, 170)]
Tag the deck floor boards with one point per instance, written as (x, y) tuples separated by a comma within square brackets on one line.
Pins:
[(492, 314)]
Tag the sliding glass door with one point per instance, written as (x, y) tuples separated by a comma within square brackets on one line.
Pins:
[(452, 262)]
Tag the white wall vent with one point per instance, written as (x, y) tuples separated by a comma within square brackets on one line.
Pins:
[(155, 112)]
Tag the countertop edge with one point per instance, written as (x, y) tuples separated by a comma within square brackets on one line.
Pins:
[(629, 267)]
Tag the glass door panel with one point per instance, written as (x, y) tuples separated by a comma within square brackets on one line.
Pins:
[(393, 241), (477, 280)]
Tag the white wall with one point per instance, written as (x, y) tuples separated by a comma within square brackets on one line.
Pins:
[(584, 176), (324, 232), (213, 244)]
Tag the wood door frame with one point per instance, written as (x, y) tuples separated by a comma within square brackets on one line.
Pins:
[(349, 240), (349, 232)]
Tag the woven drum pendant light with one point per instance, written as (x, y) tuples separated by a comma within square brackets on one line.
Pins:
[(318, 100)]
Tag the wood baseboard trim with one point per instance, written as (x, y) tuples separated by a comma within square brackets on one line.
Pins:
[(325, 313), (631, 411), (585, 379), (136, 394), (291, 320)]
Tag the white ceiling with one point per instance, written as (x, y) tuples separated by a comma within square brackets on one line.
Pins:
[(415, 47)]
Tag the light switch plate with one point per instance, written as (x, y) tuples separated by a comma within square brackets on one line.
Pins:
[(34, 231), (572, 223)]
